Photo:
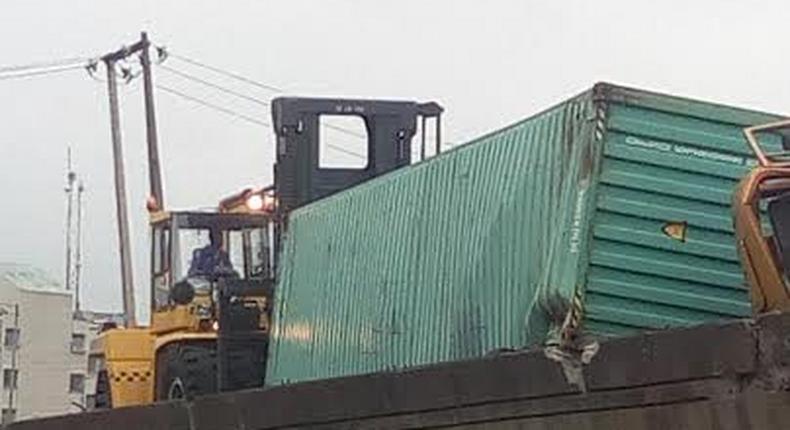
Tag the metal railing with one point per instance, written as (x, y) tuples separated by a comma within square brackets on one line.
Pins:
[(767, 159)]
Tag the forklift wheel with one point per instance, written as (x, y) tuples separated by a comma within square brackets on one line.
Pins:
[(186, 371), (176, 390), (103, 400)]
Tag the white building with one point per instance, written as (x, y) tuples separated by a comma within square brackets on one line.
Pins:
[(44, 345)]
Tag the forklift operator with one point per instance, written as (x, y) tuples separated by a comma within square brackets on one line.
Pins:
[(211, 261)]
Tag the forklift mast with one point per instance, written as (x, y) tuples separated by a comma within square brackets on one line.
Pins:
[(390, 125)]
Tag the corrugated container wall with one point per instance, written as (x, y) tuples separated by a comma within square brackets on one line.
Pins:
[(609, 211)]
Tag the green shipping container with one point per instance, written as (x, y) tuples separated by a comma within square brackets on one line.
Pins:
[(613, 206)]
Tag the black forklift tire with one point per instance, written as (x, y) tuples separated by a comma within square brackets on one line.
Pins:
[(186, 370), (103, 397)]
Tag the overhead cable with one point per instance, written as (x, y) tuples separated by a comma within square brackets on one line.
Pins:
[(241, 116), (82, 61), (215, 86), (224, 72), (212, 105), (262, 102), (31, 73)]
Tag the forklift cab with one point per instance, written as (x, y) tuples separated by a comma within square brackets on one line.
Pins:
[(230, 306), (177, 237)]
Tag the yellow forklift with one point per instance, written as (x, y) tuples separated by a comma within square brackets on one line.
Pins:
[(210, 316), (761, 211), (209, 328)]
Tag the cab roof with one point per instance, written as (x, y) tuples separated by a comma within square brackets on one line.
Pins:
[(207, 220)]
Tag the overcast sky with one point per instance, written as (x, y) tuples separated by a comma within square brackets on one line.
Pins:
[(489, 63)]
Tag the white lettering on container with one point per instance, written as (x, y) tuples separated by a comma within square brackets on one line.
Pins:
[(690, 151)]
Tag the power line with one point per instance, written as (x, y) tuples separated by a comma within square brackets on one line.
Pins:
[(225, 72), (344, 130), (68, 64), (346, 151), (262, 102), (166, 53), (215, 86), (212, 106), (44, 64), (241, 116), (19, 75)]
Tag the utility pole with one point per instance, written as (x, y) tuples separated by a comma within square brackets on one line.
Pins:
[(124, 243), (78, 250), (154, 170), (71, 177), (154, 167)]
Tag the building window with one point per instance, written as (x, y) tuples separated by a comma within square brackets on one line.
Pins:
[(95, 363), (10, 377), (11, 337), (9, 415), (77, 343), (77, 383), (90, 402)]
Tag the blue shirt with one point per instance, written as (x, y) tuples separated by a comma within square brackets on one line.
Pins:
[(210, 261)]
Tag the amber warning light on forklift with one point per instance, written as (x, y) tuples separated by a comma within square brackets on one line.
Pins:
[(250, 200), (151, 204), (255, 202), (261, 201)]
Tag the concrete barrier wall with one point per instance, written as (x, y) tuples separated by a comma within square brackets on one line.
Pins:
[(713, 377)]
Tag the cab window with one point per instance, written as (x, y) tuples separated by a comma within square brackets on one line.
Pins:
[(779, 215), (160, 265)]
